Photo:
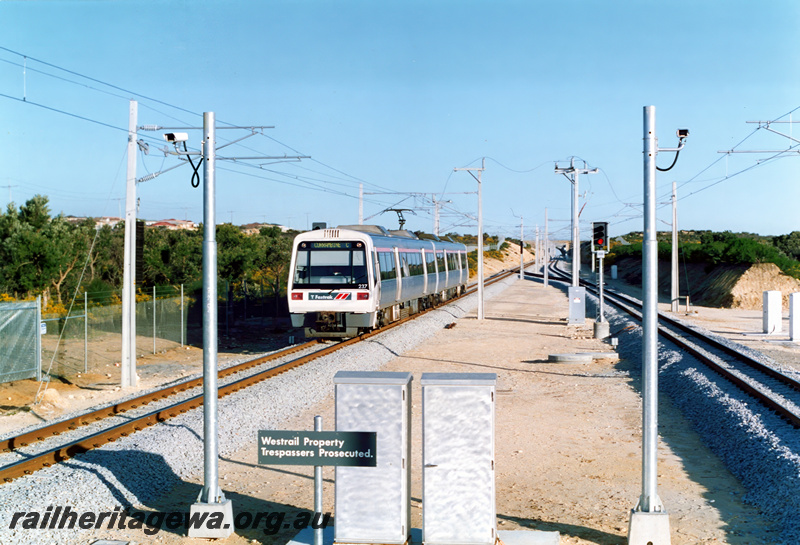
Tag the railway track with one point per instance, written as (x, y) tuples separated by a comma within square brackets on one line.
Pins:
[(771, 388), (29, 463)]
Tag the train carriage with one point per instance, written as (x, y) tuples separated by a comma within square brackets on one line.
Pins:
[(352, 279)]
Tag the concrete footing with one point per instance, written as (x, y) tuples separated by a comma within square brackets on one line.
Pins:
[(648, 529), (219, 528), (582, 357), (602, 330)]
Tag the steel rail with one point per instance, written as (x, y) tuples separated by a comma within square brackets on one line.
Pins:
[(57, 428), (64, 452), (748, 388)]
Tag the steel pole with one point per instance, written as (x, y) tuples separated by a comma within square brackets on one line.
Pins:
[(649, 501), (600, 256), (521, 247), (318, 490), (546, 251), (128, 356), (576, 250), (675, 292), (211, 492), (85, 332), (183, 327), (480, 242)]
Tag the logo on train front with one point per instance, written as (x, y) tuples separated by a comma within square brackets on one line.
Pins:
[(330, 296)]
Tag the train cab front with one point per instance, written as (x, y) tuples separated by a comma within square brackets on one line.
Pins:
[(329, 290)]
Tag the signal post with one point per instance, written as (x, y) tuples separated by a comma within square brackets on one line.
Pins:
[(600, 240)]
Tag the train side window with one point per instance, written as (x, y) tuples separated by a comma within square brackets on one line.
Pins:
[(415, 264), (430, 260), (386, 264), (440, 261)]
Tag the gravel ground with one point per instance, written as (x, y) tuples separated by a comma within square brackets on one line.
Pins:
[(759, 449), (95, 427), (135, 470)]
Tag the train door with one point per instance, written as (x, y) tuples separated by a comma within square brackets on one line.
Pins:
[(399, 269), (449, 275), (430, 263), (424, 271), (390, 283), (376, 278)]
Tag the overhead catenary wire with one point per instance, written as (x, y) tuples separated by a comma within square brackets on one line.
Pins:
[(130, 93)]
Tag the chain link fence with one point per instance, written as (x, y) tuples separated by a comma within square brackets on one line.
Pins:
[(89, 337)]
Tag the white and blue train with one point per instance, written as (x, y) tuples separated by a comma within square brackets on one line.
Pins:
[(354, 278)]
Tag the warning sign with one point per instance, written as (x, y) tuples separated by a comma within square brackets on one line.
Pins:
[(317, 448)]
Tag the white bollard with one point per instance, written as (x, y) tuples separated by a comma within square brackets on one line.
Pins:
[(772, 312), (794, 317), (614, 272)]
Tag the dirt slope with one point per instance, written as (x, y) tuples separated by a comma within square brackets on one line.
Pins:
[(724, 286)]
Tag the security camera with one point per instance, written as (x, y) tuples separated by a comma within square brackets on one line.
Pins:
[(683, 133), (176, 137)]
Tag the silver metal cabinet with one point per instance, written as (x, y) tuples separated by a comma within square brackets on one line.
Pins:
[(372, 503), (458, 505)]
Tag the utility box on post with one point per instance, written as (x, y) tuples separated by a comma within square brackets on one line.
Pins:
[(458, 490), (577, 305), (372, 503)]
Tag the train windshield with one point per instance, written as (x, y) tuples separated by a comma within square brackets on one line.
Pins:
[(330, 265)]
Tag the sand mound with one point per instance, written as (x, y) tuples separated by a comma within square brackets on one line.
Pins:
[(51, 404), (748, 290)]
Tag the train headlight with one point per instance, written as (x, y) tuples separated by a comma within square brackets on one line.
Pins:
[(362, 296), (297, 296)]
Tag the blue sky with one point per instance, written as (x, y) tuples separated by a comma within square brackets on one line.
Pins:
[(395, 95)]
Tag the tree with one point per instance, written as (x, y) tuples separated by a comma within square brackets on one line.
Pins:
[(236, 253), (274, 254), (70, 244), (788, 244), (35, 212), (107, 261), (173, 256)]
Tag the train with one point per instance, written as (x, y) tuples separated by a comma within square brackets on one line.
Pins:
[(351, 279)]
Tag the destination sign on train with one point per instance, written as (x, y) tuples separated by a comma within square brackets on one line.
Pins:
[(331, 245), (317, 448)]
